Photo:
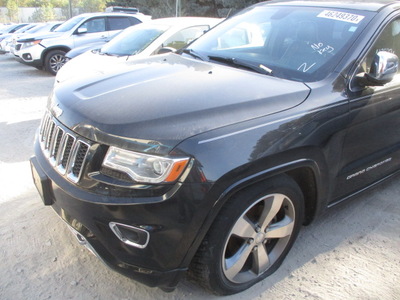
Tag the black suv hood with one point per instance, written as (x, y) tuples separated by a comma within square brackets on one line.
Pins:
[(167, 99)]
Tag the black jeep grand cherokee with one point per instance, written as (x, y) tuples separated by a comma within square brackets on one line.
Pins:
[(211, 159)]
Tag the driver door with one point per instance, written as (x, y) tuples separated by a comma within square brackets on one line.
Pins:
[(371, 148), (91, 31)]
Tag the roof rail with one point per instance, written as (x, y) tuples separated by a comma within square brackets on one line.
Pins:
[(129, 10)]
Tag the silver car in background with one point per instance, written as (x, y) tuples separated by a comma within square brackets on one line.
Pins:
[(6, 37), (39, 28), (154, 37), (48, 50)]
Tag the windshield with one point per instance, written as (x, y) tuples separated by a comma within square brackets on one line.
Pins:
[(68, 25), (133, 40), (25, 28), (296, 43), (36, 28)]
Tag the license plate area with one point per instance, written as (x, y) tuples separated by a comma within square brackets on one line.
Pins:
[(42, 182)]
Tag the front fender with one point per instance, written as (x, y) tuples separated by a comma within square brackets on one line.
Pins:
[(315, 186), (47, 50)]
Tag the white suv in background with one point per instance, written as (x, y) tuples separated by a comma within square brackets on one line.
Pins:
[(48, 50)]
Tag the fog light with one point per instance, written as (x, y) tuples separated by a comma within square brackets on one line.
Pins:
[(130, 235), (27, 56)]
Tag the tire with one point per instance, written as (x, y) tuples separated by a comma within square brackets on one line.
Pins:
[(250, 238), (54, 60)]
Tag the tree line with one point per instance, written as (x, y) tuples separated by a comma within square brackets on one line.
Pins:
[(155, 8)]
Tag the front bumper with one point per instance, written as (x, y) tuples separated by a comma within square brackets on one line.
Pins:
[(32, 63), (171, 224), (31, 56), (4, 48)]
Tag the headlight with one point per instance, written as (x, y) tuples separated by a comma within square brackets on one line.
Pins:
[(145, 168), (30, 44)]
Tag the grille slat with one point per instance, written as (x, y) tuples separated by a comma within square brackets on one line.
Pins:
[(56, 144), (49, 137), (66, 152), (46, 129), (80, 158), (67, 143)]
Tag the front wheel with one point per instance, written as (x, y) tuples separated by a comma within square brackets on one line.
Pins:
[(54, 61), (250, 238)]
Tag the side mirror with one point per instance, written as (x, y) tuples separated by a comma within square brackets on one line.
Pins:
[(81, 30), (383, 69), (164, 50)]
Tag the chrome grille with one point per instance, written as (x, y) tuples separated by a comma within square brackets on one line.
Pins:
[(65, 151)]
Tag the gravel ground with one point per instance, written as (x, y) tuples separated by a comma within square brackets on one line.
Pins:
[(353, 252)]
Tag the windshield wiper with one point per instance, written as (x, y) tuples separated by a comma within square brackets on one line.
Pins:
[(259, 68), (193, 53)]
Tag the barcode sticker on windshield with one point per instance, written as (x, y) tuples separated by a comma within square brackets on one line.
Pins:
[(341, 16)]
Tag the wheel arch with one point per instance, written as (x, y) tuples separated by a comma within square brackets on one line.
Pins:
[(305, 172), (306, 179), (47, 50)]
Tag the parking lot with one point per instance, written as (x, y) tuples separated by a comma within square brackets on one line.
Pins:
[(353, 252)]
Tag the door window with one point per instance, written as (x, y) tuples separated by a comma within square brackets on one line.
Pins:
[(118, 23), (94, 25)]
